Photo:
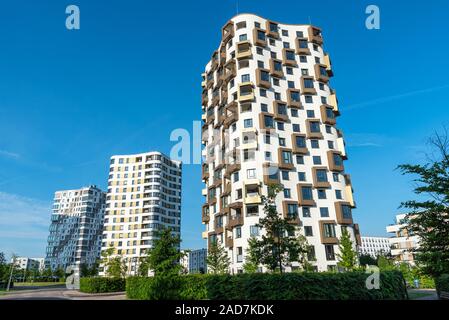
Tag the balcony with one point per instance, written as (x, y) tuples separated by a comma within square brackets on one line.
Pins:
[(276, 68), (229, 242), (333, 101), (302, 46), (349, 191), (270, 173), (293, 98), (343, 212), (272, 29), (252, 192), (222, 54), (320, 182), (299, 148), (283, 164), (307, 85), (315, 35), (243, 50), (203, 82), (292, 219), (205, 214), (205, 171), (229, 70), (215, 97), (231, 115), (204, 98), (234, 221), (280, 111), (263, 78), (259, 37), (214, 60), (227, 32), (321, 73), (328, 64), (288, 57), (341, 146), (313, 129), (249, 139), (335, 161), (327, 238), (266, 121), (328, 115), (303, 198), (358, 238), (231, 168), (246, 92), (224, 95)]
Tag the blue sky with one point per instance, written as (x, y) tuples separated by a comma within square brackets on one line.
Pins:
[(71, 99)]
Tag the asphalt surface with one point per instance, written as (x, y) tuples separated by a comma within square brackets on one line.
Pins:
[(57, 293)]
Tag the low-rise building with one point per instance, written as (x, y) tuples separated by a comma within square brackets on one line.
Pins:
[(375, 246), (194, 261), (26, 263), (403, 242)]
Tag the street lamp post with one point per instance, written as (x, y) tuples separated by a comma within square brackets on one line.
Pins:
[(12, 268)]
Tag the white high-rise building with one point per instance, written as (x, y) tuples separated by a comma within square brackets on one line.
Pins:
[(194, 261), (269, 117), (144, 195), (402, 242), (374, 246), (76, 228)]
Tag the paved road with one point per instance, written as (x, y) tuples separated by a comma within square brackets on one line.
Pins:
[(57, 293)]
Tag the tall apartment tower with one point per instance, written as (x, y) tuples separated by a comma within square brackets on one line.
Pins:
[(76, 228), (270, 117), (402, 241), (144, 195)]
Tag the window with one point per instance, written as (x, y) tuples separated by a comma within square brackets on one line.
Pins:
[(286, 45), (277, 65), (324, 212), (268, 121), (241, 25), (273, 27), (268, 156), (303, 59), (329, 230), (254, 231), (301, 176), (257, 24), (294, 113), (238, 232), (272, 42), (316, 160), (291, 84), (285, 175), (315, 144), (263, 92), (277, 96), (287, 157), (311, 254), (245, 78), (306, 193), (306, 212), (338, 194), (299, 159), (242, 37), (321, 194), (335, 176), (308, 99), (251, 173), (252, 210), (285, 33), (287, 193), (235, 176), (330, 144), (261, 35), (289, 70), (321, 175), (294, 96), (249, 155), (280, 126), (264, 107), (308, 232), (303, 44), (346, 211), (282, 142), (321, 85), (259, 50), (310, 114), (299, 34), (276, 82), (337, 160), (243, 64), (314, 126), (248, 123), (328, 129), (308, 83), (290, 55), (330, 254), (292, 210), (239, 254), (267, 139), (295, 126), (264, 75)]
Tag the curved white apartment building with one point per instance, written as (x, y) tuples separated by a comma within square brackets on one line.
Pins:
[(144, 195), (270, 117)]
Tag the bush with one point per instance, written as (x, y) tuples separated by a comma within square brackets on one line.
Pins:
[(101, 285), (442, 283), (264, 286)]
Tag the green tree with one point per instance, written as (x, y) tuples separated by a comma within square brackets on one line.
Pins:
[(164, 257), (428, 218), (279, 245), (217, 259), (115, 266), (251, 264), (366, 259), (385, 263), (347, 258)]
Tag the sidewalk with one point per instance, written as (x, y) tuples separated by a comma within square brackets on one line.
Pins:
[(77, 295)]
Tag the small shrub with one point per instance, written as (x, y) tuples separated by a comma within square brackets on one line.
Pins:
[(442, 283), (102, 285)]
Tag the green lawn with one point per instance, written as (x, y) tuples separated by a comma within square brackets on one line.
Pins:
[(416, 295)]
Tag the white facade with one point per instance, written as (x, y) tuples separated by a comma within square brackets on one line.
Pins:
[(76, 228), (269, 117), (374, 246), (26, 263), (402, 242), (144, 195), (194, 261)]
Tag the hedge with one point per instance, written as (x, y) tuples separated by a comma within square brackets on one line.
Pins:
[(101, 285), (264, 286), (442, 283)]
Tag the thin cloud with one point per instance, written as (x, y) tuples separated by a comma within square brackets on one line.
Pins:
[(8, 154), (365, 144), (394, 97)]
